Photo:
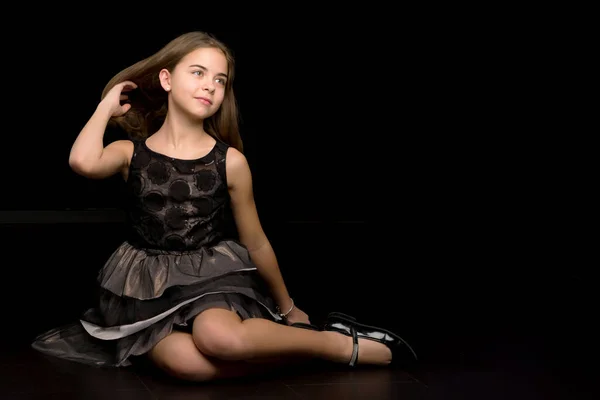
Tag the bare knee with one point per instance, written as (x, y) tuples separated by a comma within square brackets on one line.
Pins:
[(179, 357), (220, 338)]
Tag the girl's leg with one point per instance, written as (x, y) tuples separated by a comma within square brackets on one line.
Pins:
[(178, 356), (222, 334)]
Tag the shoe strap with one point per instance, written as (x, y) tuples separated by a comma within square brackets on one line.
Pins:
[(354, 358)]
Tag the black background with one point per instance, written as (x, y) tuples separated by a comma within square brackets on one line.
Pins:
[(392, 170)]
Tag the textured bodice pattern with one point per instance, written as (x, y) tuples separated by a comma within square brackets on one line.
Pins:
[(176, 204)]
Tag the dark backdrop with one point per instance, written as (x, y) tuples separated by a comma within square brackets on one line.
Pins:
[(386, 172)]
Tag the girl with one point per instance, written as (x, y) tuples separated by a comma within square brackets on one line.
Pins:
[(200, 305)]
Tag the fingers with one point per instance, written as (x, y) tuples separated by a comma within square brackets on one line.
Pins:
[(127, 86)]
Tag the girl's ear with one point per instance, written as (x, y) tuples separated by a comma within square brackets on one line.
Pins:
[(165, 79)]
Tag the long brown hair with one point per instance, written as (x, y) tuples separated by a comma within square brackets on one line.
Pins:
[(149, 101)]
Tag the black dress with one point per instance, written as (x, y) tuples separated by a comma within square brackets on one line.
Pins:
[(175, 264)]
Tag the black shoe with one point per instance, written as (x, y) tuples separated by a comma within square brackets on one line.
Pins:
[(347, 325)]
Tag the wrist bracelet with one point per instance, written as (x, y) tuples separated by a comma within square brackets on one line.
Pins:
[(289, 311)]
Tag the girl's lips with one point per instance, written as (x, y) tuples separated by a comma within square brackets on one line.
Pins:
[(204, 100)]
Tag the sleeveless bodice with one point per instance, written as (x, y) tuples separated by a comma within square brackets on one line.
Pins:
[(175, 204)]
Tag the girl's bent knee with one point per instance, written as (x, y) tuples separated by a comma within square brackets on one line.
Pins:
[(224, 344)]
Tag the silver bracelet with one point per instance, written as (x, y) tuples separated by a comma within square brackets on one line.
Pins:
[(289, 311)]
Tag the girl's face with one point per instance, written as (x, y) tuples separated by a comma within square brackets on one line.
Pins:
[(197, 84)]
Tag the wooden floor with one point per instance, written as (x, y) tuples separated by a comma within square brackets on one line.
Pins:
[(503, 374), (485, 328)]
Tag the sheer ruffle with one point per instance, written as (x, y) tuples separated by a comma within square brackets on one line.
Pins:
[(74, 342), (146, 273), (145, 294)]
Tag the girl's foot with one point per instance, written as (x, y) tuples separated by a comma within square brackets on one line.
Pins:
[(369, 351), (375, 345)]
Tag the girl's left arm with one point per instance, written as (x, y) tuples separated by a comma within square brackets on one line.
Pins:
[(239, 180)]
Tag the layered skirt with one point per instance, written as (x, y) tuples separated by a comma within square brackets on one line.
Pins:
[(145, 294)]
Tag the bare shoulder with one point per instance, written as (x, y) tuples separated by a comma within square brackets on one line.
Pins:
[(238, 170), (115, 158), (124, 146)]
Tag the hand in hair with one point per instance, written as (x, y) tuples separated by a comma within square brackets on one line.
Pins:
[(115, 97)]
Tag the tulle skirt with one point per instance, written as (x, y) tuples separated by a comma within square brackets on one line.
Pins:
[(145, 294)]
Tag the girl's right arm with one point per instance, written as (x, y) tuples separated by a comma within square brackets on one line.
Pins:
[(88, 156)]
